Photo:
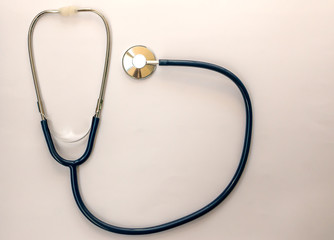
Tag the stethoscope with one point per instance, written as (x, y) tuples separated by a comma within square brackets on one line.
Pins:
[(138, 62)]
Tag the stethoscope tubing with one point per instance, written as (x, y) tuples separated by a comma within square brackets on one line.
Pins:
[(162, 227)]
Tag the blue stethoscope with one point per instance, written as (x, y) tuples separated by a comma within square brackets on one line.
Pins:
[(138, 62)]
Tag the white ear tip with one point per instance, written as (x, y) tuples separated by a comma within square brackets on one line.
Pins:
[(68, 11)]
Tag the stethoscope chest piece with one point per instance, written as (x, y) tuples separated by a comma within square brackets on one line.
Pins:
[(139, 62)]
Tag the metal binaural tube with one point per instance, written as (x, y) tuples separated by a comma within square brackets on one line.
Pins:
[(67, 11)]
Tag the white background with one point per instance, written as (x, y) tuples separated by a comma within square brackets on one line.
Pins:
[(169, 144)]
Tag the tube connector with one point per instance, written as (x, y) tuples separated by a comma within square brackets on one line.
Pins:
[(68, 11), (98, 107)]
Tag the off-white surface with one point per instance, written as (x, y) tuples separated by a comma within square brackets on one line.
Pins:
[(169, 144)]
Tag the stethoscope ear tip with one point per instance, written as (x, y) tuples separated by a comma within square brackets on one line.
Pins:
[(139, 62)]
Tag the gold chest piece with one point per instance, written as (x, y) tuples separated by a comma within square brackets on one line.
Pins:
[(139, 62)]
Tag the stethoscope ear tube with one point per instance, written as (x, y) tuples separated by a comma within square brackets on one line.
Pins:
[(86, 154), (67, 11), (203, 210)]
